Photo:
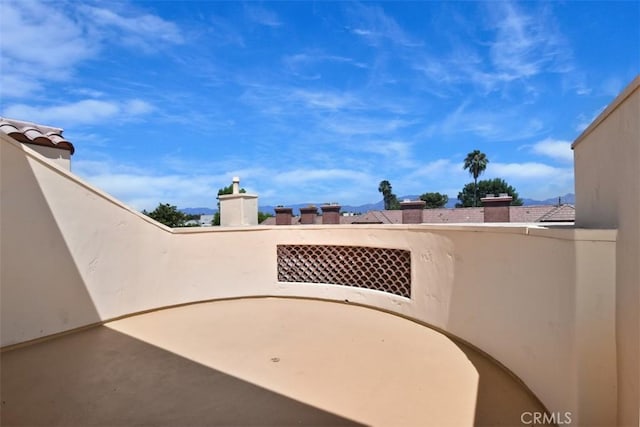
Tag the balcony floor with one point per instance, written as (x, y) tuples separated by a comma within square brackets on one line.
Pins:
[(265, 361)]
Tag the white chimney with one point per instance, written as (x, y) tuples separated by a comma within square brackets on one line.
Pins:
[(236, 185)]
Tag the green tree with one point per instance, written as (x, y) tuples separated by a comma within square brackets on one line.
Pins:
[(489, 186), (475, 163), (221, 192), (262, 216), (434, 200), (168, 215), (390, 199)]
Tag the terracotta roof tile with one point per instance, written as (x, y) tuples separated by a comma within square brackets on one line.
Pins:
[(564, 213), (269, 221), (543, 213), (31, 133), (525, 214), (392, 217), (370, 217)]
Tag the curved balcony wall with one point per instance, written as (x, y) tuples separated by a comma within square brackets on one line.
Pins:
[(540, 301)]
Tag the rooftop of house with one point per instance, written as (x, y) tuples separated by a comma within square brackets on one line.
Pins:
[(33, 133), (518, 214)]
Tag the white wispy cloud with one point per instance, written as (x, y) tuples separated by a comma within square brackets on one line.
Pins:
[(262, 16), (42, 42), (144, 189), (313, 57), (323, 185), (326, 112), (319, 175), (535, 180), (439, 168), (392, 152), (41, 36), (530, 171), (130, 28), (192, 186), (576, 82), (136, 107), (39, 42), (328, 100), (502, 125), (307, 65), (16, 85), (554, 148), (526, 44), (440, 71), (442, 175), (375, 26), (521, 45), (86, 92), (363, 125), (88, 111)]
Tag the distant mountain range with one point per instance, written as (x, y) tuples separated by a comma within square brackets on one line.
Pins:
[(567, 198)]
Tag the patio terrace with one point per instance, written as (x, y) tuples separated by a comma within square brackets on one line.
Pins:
[(265, 361)]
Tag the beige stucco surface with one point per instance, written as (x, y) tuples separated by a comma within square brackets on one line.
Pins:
[(58, 156), (263, 361), (537, 300), (607, 171), (238, 210)]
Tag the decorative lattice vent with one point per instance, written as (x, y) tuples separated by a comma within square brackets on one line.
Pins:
[(382, 269)]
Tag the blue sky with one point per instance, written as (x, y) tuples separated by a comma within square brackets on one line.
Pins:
[(315, 101)]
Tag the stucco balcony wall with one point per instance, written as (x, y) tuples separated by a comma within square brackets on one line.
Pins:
[(530, 297), (607, 159)]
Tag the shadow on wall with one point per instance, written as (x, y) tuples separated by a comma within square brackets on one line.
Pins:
[(50, 285), (502, 399), (526, 329)]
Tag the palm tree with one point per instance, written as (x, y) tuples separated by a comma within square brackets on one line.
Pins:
[(476, 163), (385, 188)]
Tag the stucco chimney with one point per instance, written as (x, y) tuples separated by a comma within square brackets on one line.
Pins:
[(308, 215), (238, 209), (283, 216), (236, 185), (496, 208), (412, 211), (330, 214)]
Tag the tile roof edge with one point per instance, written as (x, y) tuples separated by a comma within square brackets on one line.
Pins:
[(42, 135)]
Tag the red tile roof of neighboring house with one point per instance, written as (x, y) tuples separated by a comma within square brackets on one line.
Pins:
[(379, 217), (269, 221), (528, 213), (458, 215), (564, 213), (31, 133), (295, 220), (524, 214), (371, 217)]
